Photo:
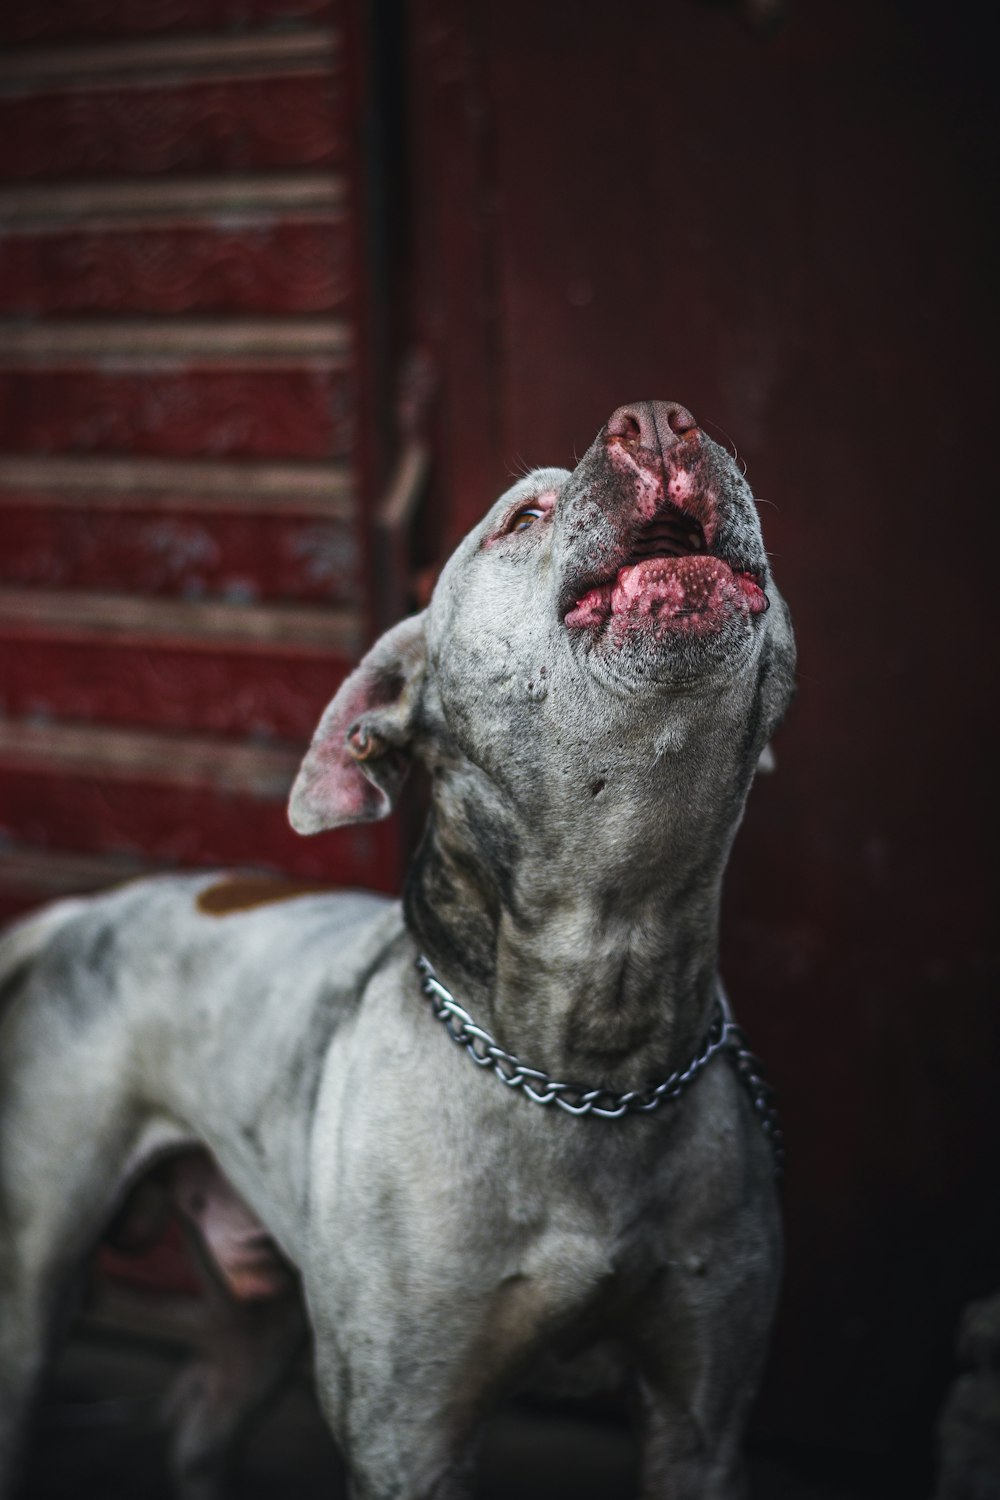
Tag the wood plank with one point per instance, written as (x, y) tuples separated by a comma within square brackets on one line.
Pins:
[(251, 342), (225, 125), (239, 266), (272, 52), (60, 614), (264, 771), (278, 694), (238, 558), (177, 197), (177, 803), (184, 411), (213, 486), (81, 20)]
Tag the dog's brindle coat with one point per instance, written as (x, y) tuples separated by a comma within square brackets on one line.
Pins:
[(590, 689)]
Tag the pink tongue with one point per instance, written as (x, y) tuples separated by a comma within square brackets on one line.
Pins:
[(669, 585)]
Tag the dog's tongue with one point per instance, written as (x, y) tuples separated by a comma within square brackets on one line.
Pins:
[(668, 585), (667, 589)]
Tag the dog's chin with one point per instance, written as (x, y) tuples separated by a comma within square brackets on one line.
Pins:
[(669, 618)]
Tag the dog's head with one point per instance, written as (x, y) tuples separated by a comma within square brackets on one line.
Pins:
[(592, 623)]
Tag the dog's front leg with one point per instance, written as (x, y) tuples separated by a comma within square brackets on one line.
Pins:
[(400, 1438), (411, 1353), (699, 1360), (683, 1456)]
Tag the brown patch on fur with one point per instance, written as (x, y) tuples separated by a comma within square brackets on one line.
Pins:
[(244, 892)]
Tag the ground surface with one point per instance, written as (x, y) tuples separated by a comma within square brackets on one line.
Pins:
[(97, 1436)]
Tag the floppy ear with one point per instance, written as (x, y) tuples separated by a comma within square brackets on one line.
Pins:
[(359, 755)]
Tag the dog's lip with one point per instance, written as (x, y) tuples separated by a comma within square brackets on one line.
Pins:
[(684, 586), (644, 549)]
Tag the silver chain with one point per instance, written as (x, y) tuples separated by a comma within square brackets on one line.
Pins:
[(541, 1088)]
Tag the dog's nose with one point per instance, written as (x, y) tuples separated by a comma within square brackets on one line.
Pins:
[(653, 424)]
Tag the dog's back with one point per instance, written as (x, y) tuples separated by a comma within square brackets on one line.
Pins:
[(106, 999), (23, 941)]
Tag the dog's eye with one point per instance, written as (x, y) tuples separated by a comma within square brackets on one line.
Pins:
[(525, 517)]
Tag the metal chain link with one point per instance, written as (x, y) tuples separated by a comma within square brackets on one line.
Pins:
[(723, 1036), (762, 1097)]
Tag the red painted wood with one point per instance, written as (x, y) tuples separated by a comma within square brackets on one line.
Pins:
[(256, 266), (226, 692), (178, 412), (64, 21), (226, 125), (188, 827), (247, 558)]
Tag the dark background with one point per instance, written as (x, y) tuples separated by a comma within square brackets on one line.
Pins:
[(551, 210)]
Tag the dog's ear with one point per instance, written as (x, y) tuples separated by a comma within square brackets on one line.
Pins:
[(359, 756)]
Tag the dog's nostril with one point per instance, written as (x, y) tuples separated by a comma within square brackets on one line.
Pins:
[(629, 428), (652, 424), (626, 425), (681, 421)]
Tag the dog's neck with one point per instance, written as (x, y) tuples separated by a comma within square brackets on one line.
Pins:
[(592, 955)]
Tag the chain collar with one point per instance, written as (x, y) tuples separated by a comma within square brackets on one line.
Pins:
[(541, 1088)]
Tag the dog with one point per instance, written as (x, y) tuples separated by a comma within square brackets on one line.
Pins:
[(579, 1191)]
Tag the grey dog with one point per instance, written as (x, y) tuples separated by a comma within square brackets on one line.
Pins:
[(590, 690)]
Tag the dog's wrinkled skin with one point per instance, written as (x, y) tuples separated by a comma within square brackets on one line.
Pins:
[(591, 719)]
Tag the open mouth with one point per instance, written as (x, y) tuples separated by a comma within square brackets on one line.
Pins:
[(668, 581)]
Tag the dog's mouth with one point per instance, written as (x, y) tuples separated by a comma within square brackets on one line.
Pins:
[(670, 579)]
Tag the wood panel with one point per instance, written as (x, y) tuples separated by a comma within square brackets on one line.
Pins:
[(184, 411), (180, 412), (225, 125), (233, 557), (246, 264), (75, 21), (133, 62), (109, 205), (186, 820), (249, 692), (201, 623), (321, 490)]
